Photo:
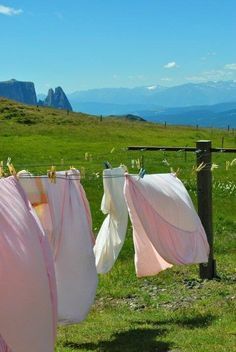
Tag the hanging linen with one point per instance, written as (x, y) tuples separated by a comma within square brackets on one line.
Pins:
[(27, 280), (63, 210), (167, 229), (111, 236)]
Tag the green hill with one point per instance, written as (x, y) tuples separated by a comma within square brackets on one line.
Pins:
[(173, 311)]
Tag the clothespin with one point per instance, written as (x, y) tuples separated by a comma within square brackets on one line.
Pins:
[(175, 173), (124, 167), (11, 168), (52, 174), (107, 165), (200, 167), (1, 169), (142, 172)]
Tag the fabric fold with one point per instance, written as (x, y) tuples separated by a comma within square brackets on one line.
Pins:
[(111, 236), (27, 279), (64, 213), (166, 227)]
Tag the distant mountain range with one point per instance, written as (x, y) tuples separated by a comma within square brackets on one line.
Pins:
[(205, 104), (186, 104), (24, 92)]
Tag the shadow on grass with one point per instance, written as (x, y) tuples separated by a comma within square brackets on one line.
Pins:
[(198, 321), (134, 340)]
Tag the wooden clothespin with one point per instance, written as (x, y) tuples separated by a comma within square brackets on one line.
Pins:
[(11, 168), (175, 173), (1, 169), (198, 168), (52, 174), (124, 167)]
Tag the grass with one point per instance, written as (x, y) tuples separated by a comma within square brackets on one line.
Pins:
[(175, 310)]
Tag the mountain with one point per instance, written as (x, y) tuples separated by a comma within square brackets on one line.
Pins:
[(128, 100), (218, 115), (23, 92), (210, 103), (57, 99)]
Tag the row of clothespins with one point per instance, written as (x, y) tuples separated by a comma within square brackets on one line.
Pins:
[(51, 173), (138, 163)]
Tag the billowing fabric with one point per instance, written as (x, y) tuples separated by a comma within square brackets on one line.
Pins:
[(111, 236), (166, 227), (3, 346), (27, 279), (63, 210)]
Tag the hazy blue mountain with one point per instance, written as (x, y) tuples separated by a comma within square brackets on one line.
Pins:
[(23, 92), (191, 94), (57, 99), (124, 96), (219, 115), (210, 103)]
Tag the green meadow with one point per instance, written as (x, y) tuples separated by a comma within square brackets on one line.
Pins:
[(174, 311)]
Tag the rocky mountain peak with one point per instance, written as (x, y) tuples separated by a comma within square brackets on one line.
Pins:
[(23, 92), (57, 99)]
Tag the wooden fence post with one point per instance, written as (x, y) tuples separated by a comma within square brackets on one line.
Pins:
[(204, 194)]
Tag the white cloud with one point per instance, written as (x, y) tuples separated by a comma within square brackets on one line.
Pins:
[(171, 65), (212, 75), (230, 67), (151, 87), (9, 11)]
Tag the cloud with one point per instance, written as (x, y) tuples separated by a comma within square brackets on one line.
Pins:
[(9, 11), (230, 67), (171, 65), (151, 87), (212, 75)]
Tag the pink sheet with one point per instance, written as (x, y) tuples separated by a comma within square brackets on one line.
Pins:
[(166, 227), (27, 280), (64, 213)]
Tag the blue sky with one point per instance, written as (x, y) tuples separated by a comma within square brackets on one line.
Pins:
[(83, 44)]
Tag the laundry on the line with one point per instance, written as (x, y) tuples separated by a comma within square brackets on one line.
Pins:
[(27, 285), (49, 259), (111, 235), (166, 228), (64, 212)]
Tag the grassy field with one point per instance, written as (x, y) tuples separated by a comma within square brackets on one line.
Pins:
[(175, 310)]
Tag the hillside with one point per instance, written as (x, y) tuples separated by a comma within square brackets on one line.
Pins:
[(172, 311)]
